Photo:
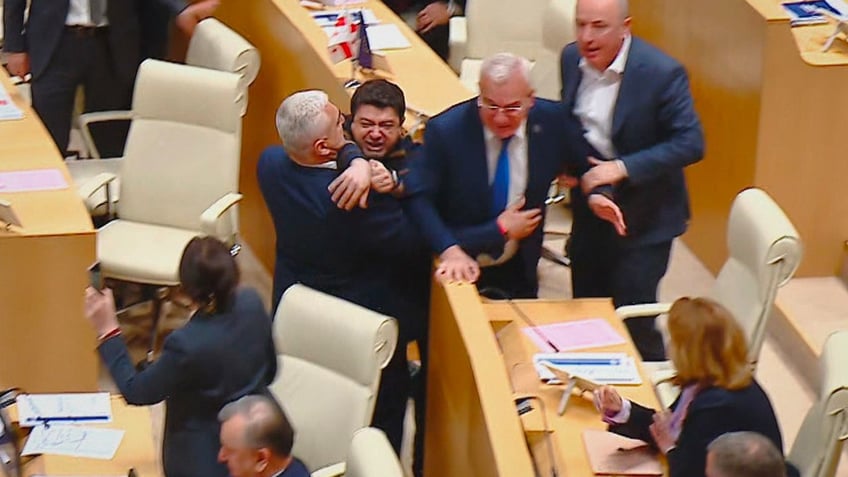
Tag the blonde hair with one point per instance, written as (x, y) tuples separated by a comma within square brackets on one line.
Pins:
[(707, 347)]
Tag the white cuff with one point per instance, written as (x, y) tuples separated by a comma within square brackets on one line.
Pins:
[(623, 415)]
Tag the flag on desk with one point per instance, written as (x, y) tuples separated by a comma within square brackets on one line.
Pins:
[(344, 41)]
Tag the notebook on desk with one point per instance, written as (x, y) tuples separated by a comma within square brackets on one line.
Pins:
[(612, 454)]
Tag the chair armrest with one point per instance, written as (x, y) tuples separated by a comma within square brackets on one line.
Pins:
[(210, 217), (98, 117), (647, 309), (457, 43), (91, 186), (333, 470)]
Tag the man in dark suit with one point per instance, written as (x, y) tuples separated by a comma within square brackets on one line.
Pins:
[(257, 439), (70, 43), (639, 130), (482, 182), (352, 254)]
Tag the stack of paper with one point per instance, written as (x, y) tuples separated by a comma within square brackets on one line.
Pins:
[(571, 335), (602, 368), (809, 12), (8, 110)]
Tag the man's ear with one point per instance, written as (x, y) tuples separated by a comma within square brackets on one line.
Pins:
[(263, 457), (320, 147)]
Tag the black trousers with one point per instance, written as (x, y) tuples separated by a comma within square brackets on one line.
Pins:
[(83, 58), (603, 265)]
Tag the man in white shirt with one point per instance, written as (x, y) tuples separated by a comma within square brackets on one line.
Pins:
[(639, 131)]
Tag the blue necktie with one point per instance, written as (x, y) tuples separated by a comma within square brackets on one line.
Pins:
[(500, 186)]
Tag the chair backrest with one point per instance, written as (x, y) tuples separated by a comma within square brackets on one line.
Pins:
[(494, 26), (371, 455), (330, 353), (558, 30), (215, 46), (764, 252), (818, 445), (183, 149)]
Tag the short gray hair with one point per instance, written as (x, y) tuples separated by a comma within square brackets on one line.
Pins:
[(266, 423), (501, 67), (300, 120), (746, 454)]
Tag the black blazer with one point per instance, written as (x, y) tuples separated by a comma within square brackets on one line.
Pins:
[(355, 255), (713, 412), (43, 30), (212, 360), (450, 195), (656, 133)]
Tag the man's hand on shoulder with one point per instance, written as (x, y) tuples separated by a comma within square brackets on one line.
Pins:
[(193, 14), (351, 187), (518, 224), (457, 266), (606, 209), (18, 63)]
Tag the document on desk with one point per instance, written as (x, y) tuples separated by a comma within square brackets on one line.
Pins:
[(386, 36), (573, 335), (8, 109), (89, 408), (328, 19), (74, 441), (612, 454), (602, 368), (32, 180)]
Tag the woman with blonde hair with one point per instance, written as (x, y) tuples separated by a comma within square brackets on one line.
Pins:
[(719, 393)]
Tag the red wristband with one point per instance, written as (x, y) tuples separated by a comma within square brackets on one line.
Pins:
[(115, 332)]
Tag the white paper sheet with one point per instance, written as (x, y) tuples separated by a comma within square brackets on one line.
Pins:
[(386, 37), (602, 368), (36, 409), (74, 441), (8, 110)]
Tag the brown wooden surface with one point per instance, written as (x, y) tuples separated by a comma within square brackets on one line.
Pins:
[(294, 57), (472, 425), (136, 450), (771, 120), (43, 270)]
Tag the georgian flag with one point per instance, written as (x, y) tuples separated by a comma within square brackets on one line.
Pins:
[(344, 42)]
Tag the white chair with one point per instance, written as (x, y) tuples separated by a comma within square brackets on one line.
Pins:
[(179, 174), (330, 354), (371, 455), (818, 445), (214, 46), (764, 252), (494, 26)]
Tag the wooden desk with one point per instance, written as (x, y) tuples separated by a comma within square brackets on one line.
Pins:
[(294, 57), (472, 425), (43, 270), (773, 110), (136, 451)]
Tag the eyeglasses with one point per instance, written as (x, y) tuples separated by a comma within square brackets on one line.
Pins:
[(511, 110)]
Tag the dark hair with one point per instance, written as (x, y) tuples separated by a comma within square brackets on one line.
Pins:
[(380, 94), (209, 274), (266, 424)]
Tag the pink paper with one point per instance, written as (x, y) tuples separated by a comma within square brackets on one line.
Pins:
[(573, 335), (34, 180)]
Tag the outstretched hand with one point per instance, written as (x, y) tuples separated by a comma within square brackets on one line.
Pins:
[(608, 210)]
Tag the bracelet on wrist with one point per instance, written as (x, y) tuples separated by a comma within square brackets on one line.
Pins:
[(109, 334)]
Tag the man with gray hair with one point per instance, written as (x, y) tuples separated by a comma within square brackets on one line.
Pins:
[(257, 439), (355, 254), (481, 184), (744, 454)]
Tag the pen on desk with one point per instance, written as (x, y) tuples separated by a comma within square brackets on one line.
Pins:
[(521, 315)]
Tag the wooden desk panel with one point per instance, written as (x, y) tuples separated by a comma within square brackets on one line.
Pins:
[(294, 57), (43, 270)]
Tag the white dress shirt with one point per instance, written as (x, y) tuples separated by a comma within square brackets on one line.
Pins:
[(596, 98), (79, 14), (517, 150)]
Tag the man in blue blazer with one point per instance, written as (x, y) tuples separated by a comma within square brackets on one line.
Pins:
[(639, 131), (482, 181), (355, 254)]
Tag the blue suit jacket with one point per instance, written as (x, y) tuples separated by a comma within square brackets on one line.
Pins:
[(656, 133), (212, 360), (348, 254), (449, 186)]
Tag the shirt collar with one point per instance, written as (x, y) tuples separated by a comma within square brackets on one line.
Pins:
[(617, 65), (520, 133), (324, 165)]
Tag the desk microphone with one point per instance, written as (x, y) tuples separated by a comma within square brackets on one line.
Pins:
[(500, 294)]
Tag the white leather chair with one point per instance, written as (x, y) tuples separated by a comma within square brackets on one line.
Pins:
[(214, 46), (179, 173), (494, 26), (330, 354), (818, 445), (371, 455), (764, 252)]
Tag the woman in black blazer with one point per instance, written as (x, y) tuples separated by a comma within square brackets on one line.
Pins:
[(719, 393), (224, 352)]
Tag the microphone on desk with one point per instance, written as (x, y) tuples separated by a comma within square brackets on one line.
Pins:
[(500, 294)]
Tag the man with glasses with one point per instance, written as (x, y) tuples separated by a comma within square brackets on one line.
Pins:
[(639, 131), (486, 168)]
